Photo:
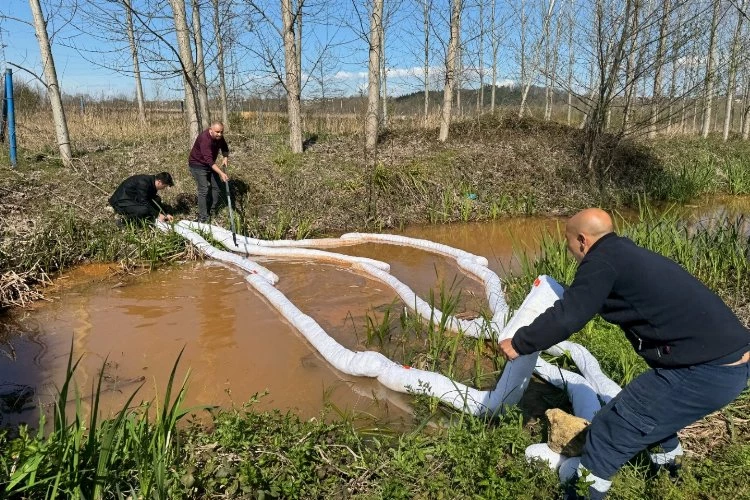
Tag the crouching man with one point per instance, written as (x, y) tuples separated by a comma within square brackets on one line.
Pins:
[(696, 347), (137, 198)]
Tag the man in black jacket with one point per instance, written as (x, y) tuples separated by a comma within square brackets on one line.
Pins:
[(697, 348), (137, 197)]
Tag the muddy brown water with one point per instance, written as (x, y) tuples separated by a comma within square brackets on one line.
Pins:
[(235, 344)]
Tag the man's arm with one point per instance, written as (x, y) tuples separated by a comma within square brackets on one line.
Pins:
[(592, 284), (224, 152)]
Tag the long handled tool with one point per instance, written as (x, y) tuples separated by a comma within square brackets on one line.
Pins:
[(231, 213)]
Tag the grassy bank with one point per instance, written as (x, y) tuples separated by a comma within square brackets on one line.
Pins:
[(492, 167), (143, 451)]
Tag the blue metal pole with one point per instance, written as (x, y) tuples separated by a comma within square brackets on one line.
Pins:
[(11, 116)]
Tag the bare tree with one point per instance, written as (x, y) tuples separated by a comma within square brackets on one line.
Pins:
[(450, 70), (609, 60), (675, 64), (188, 67), (480, 95), (373, 86), (732, 78), (200, 66), (426, 7), (530, 68), (495, 38), (571, 60), (136, 66), (746, 111), (293, 77), (633, 66), (220, 64), (708, 89), (383, 78), (550, 67), (658, 66), (51, 82)]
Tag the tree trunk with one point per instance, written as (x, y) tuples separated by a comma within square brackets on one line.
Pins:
[(373, 87), (675, 54), (658, 66), (709, 80), (384, 77), (200, 67), (526, 78), (522, 35), (459, 75), (136, 66), (746, 111), (732, 80), (632, 69), (551, 76), (426, 4), (571, 61), (547, 79), (450, 70), (293, 86), (53, 87), (609, 70), (495, 48), (188, 68), (220, 66), (480, 95), (298, 39)]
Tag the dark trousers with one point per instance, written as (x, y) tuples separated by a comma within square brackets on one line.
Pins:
[(134, 211), (209, 190), (653, 407)]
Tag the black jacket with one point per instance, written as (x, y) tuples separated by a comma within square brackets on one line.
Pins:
[(137, 190), (670, 317)]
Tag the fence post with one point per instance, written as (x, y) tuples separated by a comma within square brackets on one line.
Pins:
[(11, 116)]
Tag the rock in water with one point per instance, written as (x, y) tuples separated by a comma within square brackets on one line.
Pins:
[(567, 433)]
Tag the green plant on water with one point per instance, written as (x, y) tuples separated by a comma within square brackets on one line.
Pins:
[(379, 331), (442, 345)]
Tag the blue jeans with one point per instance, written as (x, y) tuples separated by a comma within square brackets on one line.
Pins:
[(653, 407)]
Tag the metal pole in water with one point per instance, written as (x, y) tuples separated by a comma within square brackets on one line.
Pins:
[(11, 116)]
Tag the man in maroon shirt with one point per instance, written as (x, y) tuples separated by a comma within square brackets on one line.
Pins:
[(207, 174)]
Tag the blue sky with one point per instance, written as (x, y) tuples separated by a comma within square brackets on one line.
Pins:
[(333, 24)]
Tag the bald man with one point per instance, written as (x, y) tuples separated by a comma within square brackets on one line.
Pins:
[(695, 345), (205, 170)]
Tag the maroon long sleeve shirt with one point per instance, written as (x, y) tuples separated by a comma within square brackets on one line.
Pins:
[(206, 149)]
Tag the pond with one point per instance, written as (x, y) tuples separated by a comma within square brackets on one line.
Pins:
[(235, 344)]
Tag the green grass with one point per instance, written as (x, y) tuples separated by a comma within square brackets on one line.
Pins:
[(85, 457)]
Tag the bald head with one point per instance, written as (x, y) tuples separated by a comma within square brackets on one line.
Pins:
[(216, 130), (585, 228)]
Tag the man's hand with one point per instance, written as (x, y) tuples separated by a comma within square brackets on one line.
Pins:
[(224, 177), (507, 349), (163, 217)]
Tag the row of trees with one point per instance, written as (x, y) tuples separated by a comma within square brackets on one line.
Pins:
[(626, 67)]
